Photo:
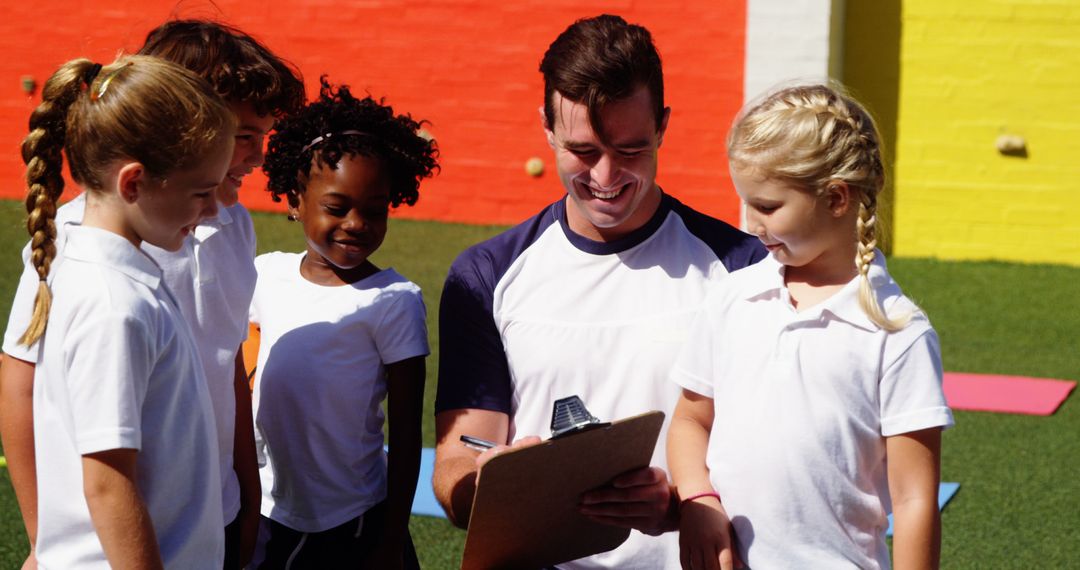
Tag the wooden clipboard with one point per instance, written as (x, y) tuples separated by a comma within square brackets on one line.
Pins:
[(524, 514)]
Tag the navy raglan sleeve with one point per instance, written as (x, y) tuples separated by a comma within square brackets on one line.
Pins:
[(473, 372), (734, 248)]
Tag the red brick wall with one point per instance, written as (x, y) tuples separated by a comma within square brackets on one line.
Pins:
[(468, 66)]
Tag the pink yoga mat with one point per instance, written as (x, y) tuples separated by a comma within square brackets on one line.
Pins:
[(1009, 394)]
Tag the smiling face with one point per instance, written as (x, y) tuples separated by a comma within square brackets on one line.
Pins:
[(612, 185), (247, 154), (344, 213), (802, 230), (168, 210)]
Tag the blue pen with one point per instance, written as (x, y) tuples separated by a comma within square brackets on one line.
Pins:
[(477, 443)]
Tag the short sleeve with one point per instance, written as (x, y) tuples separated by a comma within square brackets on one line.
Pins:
[(694, 368), (402, 331), (107, 365), (22, 309), (473, 371), (911, 391)]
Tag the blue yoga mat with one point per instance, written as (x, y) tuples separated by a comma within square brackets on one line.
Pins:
[(424, 502), (945, 493)]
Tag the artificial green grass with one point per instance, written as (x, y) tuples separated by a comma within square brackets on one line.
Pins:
[(1018, 503)]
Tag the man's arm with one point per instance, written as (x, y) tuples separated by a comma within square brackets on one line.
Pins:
[(17, 430), (245, 463), (119, 514), (455, 464)]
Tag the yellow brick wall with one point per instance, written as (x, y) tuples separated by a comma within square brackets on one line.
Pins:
[(969, 72)]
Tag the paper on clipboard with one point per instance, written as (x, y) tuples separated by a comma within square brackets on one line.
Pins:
[(524, 514)]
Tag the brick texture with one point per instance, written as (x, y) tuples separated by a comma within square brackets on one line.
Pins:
[(468, 66), (970, 72)]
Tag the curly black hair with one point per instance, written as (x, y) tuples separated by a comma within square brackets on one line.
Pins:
[(238, 67), (393, 139)]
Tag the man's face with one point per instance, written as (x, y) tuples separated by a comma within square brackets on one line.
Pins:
[(612, 186)]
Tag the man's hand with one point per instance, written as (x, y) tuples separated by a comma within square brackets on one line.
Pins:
[(487, 455), (639, 499)]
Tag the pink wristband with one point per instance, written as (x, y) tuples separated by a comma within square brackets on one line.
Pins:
[(698, 496)]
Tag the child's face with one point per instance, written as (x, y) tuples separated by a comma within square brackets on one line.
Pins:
[(344, 212), (796, 226), (169, 210), (247, 154)]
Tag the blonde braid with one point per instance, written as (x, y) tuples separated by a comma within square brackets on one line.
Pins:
[(42, 151), (812, 136), (864, 258)]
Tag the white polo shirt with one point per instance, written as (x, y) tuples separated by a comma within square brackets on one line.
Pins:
[(118, 369), (803, 402), (212, 278)]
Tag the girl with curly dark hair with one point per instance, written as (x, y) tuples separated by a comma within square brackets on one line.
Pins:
[(338, 335)]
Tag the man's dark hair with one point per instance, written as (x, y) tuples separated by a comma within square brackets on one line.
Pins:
[(237, 66), (600, 60)]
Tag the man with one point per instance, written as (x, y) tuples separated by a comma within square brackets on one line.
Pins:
[(593, 296)]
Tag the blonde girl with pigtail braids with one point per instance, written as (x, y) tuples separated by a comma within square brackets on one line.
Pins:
[(124, 437), (812, 403)]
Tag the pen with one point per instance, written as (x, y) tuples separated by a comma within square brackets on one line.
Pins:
[(477, 443)]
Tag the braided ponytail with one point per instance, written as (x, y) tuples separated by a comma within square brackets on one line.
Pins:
[(42, 151), (866, 226), (138, 108), (825, 136)]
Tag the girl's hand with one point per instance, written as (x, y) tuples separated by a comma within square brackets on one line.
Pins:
[(705, 540), (31, 561)]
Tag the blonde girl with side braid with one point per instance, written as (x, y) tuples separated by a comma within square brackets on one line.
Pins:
[(812, 404), (124, 435)]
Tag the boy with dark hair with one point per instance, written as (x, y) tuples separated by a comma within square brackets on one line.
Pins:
[(212, 276), (593, 296)]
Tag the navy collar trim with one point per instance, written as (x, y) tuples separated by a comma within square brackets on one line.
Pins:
[(633, 239)]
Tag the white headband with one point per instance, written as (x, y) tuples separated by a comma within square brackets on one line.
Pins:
[(327, 136)]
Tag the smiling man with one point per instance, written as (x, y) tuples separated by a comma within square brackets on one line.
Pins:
[(593, 296)]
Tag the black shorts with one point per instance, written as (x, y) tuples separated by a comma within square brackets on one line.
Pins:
[(343, 546)]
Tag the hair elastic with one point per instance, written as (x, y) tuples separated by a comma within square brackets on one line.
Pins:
[(327, 136), (94, 96)]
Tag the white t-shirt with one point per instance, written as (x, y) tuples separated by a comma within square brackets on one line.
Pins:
[(118, 369), (320, 379), (212, 279), (539, 313), (803, 402)]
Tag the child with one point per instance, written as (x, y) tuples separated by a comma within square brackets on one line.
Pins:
[(125, 436), (338, 335), (212, 277), (812, 385)]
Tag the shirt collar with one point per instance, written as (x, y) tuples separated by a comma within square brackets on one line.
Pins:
[(102, 247), (844, 305), (207, 228), (622, 244)]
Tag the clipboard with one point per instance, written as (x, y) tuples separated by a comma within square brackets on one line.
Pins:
[(524, 513)]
